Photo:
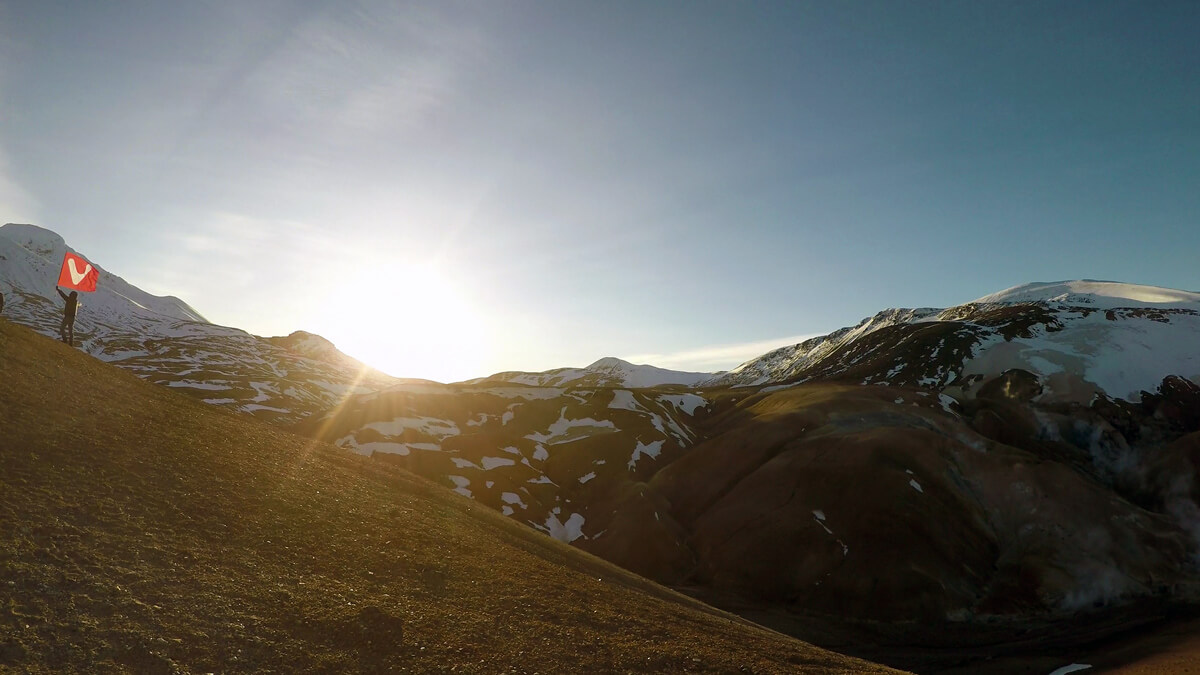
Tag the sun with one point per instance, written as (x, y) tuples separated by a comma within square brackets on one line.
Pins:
[(406, 320)]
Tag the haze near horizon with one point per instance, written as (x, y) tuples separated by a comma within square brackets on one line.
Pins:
[(450, 190)]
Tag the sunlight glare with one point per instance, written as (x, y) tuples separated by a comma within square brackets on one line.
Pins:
[(406, 320)]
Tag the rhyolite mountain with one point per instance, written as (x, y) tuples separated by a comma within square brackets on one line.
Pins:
[(1031, 454)]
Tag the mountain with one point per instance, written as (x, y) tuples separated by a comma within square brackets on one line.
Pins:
[(316, 347), (1016, 475), (1082, 339), (783, 363), (606, 372), (964, 468), (165, 341), (1097, 294), (31, 257), (538, 454), (147, 533)]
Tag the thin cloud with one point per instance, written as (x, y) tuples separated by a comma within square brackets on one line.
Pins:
[(718, 357), (16, 203), (224, 255), (356, 74)]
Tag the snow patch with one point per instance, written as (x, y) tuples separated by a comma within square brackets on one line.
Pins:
[(460, 485), (490, 463), (207, 386), (429, 426), (513, 498), (651, 450), (623, 400), (686, 403), (946, 401), (1073, 668), (568, 531), (253, 407), (561, 431)]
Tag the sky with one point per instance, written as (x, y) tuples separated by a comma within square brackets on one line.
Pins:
[(450, 189)]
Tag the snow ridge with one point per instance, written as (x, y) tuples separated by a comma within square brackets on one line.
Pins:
[(1097, 294), (1080, 338)]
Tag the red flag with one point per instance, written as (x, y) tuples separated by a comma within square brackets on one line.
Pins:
[(78, 273)]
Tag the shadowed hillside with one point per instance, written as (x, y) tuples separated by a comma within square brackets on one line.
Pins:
[(142, 531)]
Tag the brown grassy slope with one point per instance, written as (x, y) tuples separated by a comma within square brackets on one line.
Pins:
[(142, 531)]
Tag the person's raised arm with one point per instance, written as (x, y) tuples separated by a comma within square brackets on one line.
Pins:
[(61, 294)]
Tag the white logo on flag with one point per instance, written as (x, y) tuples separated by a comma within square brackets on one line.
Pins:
[(76, 275)]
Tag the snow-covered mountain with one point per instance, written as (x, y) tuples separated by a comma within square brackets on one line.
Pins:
[(1080, 338), (1097, 294), (783, 363), (31, 257), (606, 372), (1033, 453), (164, 340), (538, 454), (894, 502)]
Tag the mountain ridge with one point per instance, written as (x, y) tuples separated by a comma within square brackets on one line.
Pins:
[(1097, 293), (918, 466), (116, 327), (1084, 338), (608, 371)]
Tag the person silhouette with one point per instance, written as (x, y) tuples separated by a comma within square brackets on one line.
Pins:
[(67, 328)]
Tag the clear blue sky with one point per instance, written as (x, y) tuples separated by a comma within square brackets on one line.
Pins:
[(515, 185)]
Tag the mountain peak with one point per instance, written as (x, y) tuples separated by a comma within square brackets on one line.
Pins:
[(316, 347), (612, 362), (1096, 293), (34, 239)]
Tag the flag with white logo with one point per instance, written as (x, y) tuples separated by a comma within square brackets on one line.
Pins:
[(78, 274)]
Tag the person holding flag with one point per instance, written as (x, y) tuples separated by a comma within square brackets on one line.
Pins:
[(66, 329), (78, 275)]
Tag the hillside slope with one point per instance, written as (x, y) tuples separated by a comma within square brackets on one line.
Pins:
[(545, 456), (143, 532)]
